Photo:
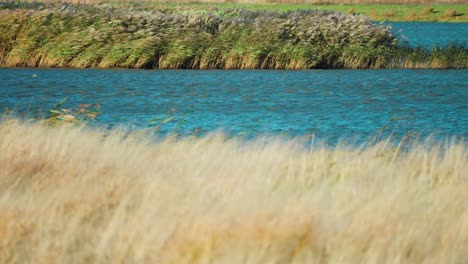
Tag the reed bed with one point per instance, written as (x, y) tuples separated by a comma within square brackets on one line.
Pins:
[(316, 2), (36, 34), (75, 195), (410, 10)]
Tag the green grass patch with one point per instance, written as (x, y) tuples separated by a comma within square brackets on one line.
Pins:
[(377, 12)]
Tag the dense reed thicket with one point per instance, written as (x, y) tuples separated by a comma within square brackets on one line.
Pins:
[(64, 35), (396, 10), (72, 195), (317, 2), (412, 2)]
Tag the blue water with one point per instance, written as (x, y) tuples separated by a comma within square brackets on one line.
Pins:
[(331, 104), (428, 34)]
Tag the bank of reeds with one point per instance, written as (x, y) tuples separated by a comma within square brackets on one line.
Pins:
[(317, 2), (321, 2), (72, 195), (63, 35)]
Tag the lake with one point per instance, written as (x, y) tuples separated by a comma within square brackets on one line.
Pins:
[(330, 104), (428, 34)]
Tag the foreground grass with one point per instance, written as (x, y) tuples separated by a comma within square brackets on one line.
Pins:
[(71, 195)]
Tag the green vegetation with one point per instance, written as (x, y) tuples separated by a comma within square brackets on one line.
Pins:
[(376, 12), (37, 34)]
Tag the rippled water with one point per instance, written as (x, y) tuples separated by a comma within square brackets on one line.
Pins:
[(428, 34), (331, 104)]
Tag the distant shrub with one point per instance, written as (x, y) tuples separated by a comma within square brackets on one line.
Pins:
[(428, 10), (450, 12), (389, 13)]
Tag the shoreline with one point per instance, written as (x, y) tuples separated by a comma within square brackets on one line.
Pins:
[(437, 12), (391, 11)]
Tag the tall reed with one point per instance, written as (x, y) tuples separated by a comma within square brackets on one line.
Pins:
[(319, 2), (105, 36)]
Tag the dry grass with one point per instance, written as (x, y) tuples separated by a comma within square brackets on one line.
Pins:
[(70, 195), (389, 13), (428, 10), (319, 2), (450, 12), (191, 39), (79, 36)]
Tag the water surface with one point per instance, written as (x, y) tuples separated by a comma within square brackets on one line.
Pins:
[(330, 104), (429, 34)]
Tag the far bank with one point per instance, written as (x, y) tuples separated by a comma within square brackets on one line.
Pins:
[(37, 34)]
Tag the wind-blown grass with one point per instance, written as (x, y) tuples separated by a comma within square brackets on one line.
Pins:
[(50, 35), (401, 10), (72, 195)]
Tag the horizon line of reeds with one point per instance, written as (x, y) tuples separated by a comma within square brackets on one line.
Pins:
[(317, 2), (37, 34)]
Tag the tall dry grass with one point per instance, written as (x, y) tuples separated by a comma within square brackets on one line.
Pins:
[(319, 2), (80, 36), (35, 34), (71, 195)]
